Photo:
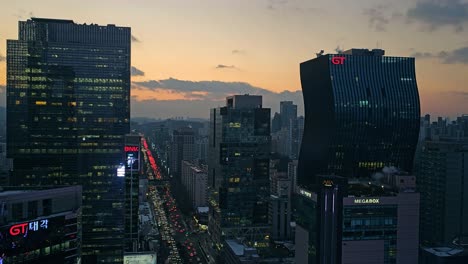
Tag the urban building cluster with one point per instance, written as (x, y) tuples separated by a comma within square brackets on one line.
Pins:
[(361, 177)]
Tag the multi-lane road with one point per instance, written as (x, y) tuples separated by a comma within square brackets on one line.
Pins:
[(179, 243)]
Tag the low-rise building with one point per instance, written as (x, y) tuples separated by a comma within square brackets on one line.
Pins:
[(40, 224)]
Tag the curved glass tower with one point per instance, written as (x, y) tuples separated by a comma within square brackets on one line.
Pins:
[(361, 114)]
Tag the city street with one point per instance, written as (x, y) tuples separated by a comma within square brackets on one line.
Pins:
[(179, 243)]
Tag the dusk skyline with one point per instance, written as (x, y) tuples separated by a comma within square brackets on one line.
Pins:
[(187, 56)]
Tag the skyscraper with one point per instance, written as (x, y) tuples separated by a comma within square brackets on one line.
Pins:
[(40, 224), (288, 111), (132, 174), (442, 180), (182, 148), (288, 114), (239, 149), (361, 114), (68, 110)]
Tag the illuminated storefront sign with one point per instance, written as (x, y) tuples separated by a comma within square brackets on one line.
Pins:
[(121, 171), (144, 258), (132, 156), (328, 183), (338, 60), (305, 193), (131, 148), (20, 239), (366, 200), (23, 228)]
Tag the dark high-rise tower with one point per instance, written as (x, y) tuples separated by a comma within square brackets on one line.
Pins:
[(239, 148), (182, 148), (442, 180), (68, 110), (288, 113), (361, 114)]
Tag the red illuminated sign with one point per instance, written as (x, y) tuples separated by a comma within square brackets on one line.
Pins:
[(31, 226), (338, 60), (18, 229), (131, 148)]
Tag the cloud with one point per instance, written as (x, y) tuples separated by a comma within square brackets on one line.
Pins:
[(136, 72), (458, 93), (212, 87), (2, 58), (222, 66), (422, 55), (135, 39), (378, 20), (456, 56), (432, 14), (23, 14), (276, 4), (196, 98), (240, 52), (292, 6)]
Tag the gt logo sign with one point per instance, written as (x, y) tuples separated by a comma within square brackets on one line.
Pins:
[(23, 228), (338, 60), (131, 148), (18, 229)]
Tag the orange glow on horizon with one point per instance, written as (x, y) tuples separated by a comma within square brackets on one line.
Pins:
[(142, 94)]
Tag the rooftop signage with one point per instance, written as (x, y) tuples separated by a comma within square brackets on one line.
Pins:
[(328, 183), (131, 148), (305, 193), (23, 228), (338, 60), (366, 200)]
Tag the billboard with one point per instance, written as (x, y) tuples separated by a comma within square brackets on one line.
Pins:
[(132, 157), (20, 237), (143, 258)]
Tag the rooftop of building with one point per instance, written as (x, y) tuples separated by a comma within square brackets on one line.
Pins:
[(245, 101), (447, 251), (64, 21), (14, 191), (389, 182), (236, 247), (365, 188), (364, 52), (51, 20)]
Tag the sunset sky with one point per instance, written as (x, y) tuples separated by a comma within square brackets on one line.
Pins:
[(189, 54)]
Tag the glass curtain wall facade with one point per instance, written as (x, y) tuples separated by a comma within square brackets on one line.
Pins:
[(68, 109), (361, 114), (377, 223), (239, 173), (132, 175)]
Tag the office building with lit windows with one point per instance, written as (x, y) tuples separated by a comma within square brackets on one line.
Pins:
[(361, 114), (367, 106), (238, 176), (443, 182), (68, 110), (132, 176), (40, 224)]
